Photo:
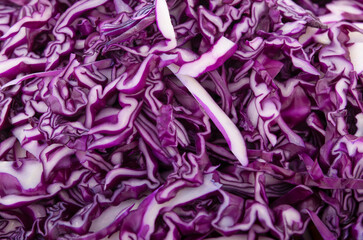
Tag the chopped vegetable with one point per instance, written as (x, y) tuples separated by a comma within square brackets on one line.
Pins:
[(181, 119)]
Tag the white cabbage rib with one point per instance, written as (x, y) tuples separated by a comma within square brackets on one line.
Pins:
[(229, 130)]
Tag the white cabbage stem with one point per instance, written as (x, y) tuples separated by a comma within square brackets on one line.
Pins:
[(229, 130)]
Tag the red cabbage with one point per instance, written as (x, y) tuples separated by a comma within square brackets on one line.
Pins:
[(181, 119)]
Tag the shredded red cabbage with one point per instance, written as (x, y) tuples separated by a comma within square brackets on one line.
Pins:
[(181, 119)]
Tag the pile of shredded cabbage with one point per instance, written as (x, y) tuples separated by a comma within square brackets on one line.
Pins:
[(181, 119)]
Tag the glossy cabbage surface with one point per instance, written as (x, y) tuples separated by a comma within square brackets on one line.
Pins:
[(181, 119)]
